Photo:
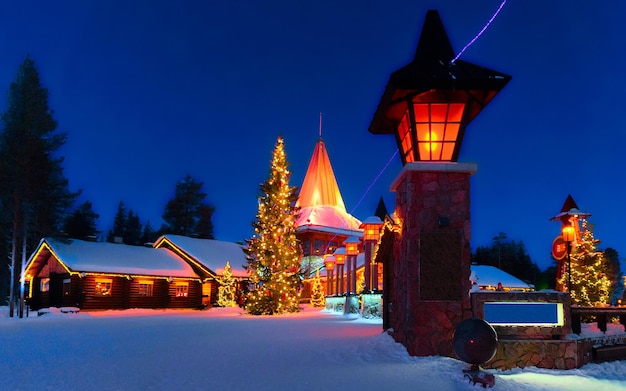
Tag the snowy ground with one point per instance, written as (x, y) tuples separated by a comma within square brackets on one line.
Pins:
[(223, 349)]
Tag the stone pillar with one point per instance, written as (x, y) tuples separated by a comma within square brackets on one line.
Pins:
[(431, 262)]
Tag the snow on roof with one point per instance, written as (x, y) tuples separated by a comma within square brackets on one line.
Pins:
[(213, 253), (327, 216), (486, 275), (104, 257)]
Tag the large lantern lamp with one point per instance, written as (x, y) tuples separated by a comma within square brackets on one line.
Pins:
[(428, 103), (569, 235), (371, 228)]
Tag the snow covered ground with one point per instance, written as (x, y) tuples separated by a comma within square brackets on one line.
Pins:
[(224, 349)]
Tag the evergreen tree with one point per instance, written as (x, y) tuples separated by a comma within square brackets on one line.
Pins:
[(273, 252), (148, 235), (35, 195), (612, 269), (132, 230), (589, 284), (82, 223), (187, 214), (317, 291), (510, 256), (227, 288), (119, 224)]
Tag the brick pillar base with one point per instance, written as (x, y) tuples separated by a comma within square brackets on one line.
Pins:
[(431, 267)]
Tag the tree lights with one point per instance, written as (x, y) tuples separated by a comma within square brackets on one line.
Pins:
[(273, 252)]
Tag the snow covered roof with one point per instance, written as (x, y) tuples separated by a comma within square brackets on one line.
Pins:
[(103, 257), (320, 200), (486, 275), (213, 254)]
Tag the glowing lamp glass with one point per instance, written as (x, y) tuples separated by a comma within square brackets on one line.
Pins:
[(430, 131), (568, 233), (340, 259)]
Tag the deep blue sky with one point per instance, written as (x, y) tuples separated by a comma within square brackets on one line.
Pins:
[(149, 91)]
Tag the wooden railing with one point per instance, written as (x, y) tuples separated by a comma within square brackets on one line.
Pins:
[(600, 313)]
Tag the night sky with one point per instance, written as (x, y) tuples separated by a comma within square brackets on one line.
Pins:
[(149, 91)]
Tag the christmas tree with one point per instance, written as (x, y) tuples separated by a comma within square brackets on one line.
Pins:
[(590, 285), (317, 291), (226, 290), (273, 253)]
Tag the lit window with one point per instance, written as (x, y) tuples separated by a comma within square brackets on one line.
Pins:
[(145, 288), (103, 286), (44, 285), (182, 289)]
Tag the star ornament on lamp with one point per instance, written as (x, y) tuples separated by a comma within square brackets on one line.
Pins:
[(428, 103)]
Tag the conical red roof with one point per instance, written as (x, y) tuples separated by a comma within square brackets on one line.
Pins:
[(320, 200)]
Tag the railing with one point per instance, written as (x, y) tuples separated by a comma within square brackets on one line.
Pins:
[(600, 313)]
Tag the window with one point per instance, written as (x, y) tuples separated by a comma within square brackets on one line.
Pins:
[(44, 285), (145, 288), (182, 289), (103, 286)]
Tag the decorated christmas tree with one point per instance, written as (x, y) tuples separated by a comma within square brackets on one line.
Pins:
[(226, 290), (590, 285), (273, 252), (317, 291)]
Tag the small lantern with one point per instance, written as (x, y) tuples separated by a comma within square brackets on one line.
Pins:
[(340, 256), (352, 245), (428, 103), (371, 228), (329, 262), (568, 233)]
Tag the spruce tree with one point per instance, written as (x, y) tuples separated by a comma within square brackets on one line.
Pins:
[(187, 214), (35, 194), (273, 252), (317, 291), (119, 224), (133, 229), (82, 223), (590, 285), (226, 290)]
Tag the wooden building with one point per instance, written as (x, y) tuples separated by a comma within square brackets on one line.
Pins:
[(97, 275), (176, 272)]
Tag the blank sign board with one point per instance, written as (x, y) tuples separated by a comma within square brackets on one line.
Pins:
[(524, 313)]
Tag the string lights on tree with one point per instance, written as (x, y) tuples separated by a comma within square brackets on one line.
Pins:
[(226, 290), (317, 291), (273, 252), (590, 285)]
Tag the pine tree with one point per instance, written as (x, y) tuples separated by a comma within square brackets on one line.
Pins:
[(273, 253), (226, 290), (35, 194), (119, 224), (82, 223), (589, 284), (317, 291), (187, 214)]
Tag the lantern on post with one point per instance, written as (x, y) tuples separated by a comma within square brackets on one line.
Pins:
[(352, 250), (428, 103), (329, 263), (340, 259), (569, 234), (371, 227)]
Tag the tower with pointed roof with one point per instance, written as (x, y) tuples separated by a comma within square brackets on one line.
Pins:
[(324, 222)]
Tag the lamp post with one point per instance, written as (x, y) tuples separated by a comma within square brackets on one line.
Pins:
[(568, 237), (371, 231), (352, 250), (329, 262), (340, 259)]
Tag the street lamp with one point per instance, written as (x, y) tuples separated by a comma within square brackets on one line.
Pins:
[(568, 237), (340, 259), (352, 250), (329, 262), (371, 231)]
